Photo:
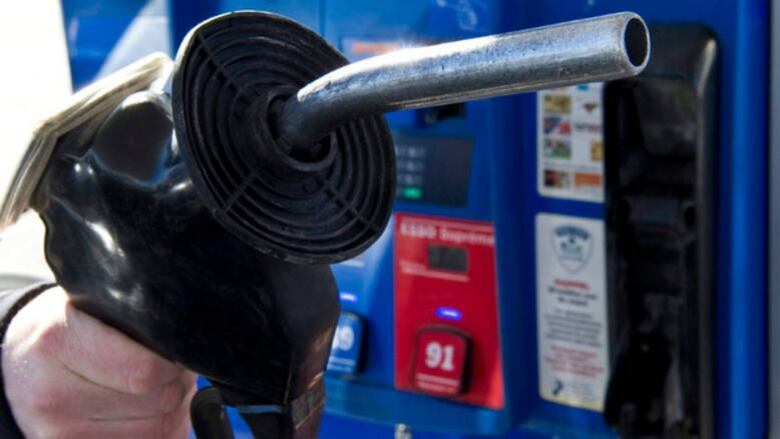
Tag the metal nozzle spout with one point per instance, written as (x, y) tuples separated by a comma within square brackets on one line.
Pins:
[(595, 49)]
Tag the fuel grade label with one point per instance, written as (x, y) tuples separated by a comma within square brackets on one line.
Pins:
[(571, 310)]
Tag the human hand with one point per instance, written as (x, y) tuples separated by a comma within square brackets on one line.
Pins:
[(67, 375)]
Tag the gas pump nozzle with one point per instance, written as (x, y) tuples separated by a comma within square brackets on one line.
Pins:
[(202, 223), (597, 49)]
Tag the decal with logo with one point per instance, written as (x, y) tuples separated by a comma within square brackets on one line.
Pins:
[(573, 245), (571, 308)]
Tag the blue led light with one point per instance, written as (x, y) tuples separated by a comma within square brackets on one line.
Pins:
[(348, 297), (448, 313)]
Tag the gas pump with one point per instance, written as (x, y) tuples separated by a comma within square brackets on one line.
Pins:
[(608, 238)]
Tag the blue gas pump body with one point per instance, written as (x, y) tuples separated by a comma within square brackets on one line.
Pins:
[(500, 192)]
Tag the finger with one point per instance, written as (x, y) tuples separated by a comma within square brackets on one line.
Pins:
[(109, 358), (147, 428), (177, 425), (91, 401), (54, 390), (174, 425), (55, 422), (166, 400)]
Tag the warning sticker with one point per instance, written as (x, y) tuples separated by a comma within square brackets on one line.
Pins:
[(571, 142), (571, 310)]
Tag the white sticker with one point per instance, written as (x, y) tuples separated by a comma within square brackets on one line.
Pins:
[(570, 142), (571, 310)]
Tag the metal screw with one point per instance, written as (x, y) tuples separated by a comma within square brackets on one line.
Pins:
[(403, 431)]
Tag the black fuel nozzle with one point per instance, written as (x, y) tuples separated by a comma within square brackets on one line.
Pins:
[(202, 223)]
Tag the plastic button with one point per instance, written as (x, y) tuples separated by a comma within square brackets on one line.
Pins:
[(347, 341), (440, 361)]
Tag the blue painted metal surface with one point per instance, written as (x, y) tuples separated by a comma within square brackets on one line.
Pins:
[(503, 190)]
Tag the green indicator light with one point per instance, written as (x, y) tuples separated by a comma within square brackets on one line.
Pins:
[(413, 193)]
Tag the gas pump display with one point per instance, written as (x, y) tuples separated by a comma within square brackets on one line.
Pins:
[(433, 170)]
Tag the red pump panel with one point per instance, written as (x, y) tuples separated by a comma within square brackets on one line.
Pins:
[(446, 311)]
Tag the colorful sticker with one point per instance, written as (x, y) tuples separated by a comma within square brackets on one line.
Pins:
[(571, 143), (571, 310)]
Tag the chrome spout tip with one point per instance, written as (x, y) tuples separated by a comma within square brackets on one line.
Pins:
[(636, 42)]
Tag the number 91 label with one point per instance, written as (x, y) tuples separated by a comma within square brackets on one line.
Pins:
[(440, 361)]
